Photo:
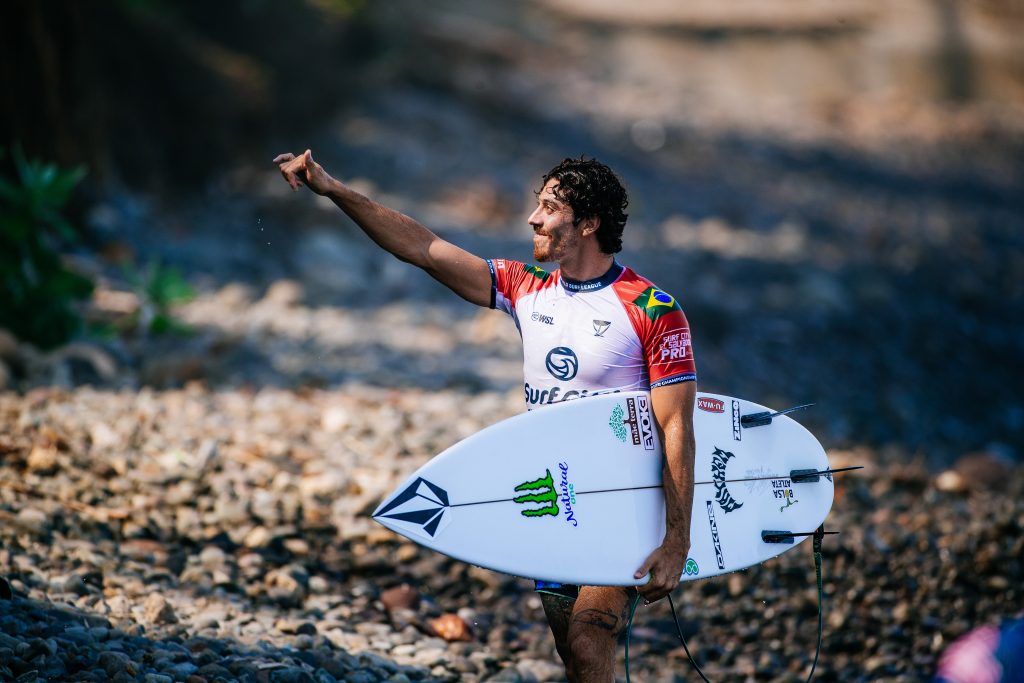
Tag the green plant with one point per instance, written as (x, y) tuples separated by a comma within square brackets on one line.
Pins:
[(37, 290), (159, 288)]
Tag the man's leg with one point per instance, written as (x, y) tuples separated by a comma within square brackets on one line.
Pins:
[(598, 617), (558, 609)]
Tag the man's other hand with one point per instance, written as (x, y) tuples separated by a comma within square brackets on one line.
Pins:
[(302, 170), (665, 566)]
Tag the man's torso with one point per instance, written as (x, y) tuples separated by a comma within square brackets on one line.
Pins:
[(615, 333)]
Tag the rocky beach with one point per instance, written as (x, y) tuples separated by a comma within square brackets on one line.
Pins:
[(841, 219), (195, 535)]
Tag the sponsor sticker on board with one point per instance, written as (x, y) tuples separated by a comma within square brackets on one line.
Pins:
[(719, 557), (725, 499), (710, 405), (737, 427), (634, 423)]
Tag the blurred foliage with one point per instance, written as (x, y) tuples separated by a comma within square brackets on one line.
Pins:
[(210, 81), (159, 288), (37, 290)]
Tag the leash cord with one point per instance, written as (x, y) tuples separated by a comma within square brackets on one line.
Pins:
[(679, 632), (818, 536)]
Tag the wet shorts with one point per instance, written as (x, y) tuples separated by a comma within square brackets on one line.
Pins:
[(562, 590)]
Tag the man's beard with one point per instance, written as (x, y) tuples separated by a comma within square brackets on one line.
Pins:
[(553, 249)]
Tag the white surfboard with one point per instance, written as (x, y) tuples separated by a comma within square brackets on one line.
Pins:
[(572, 492)]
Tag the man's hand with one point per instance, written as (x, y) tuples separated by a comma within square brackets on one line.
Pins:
[(665, 566), (302, 170)]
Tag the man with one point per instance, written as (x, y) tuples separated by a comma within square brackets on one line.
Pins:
[(591, 326)]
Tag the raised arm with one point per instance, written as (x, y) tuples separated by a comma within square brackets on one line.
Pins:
[(464, 273), (673, 413)]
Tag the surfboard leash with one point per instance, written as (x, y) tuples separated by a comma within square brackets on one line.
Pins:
[(817, 537)]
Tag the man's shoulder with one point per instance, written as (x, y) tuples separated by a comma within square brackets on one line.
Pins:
[(512, 266), (636, 290)]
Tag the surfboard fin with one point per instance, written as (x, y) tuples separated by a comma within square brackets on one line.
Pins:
[(765, 418), (771, 536), (810, 476)]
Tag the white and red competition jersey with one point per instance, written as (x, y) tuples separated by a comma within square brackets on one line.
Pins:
[(615, 333)]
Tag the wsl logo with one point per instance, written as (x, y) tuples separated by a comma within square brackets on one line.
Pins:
[(562, 363), (420, 508)]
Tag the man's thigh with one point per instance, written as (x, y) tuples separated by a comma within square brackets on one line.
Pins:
[(602, 610)]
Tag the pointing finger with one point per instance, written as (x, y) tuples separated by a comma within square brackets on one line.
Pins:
[(282, 158)]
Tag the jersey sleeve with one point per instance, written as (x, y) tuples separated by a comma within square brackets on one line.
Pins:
[(511, 279), (665, 335)]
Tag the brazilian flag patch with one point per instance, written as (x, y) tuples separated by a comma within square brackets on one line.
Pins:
[(656, 303), (538, 273)]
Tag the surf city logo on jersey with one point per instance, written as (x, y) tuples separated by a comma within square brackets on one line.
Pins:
[(675, 346), (691, 568), (656, 303), (562, 363), (719, 557), (725, 500), (633, 421), (601, 326), (542, 492)]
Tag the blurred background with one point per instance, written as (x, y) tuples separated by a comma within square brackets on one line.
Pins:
[(834, 190)]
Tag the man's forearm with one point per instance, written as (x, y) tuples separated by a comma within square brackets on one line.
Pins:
[(677, 482), (394, 232)]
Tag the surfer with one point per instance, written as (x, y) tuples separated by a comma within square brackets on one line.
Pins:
[(591, 326)]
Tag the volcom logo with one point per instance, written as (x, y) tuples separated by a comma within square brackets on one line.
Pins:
[(722, 495), (422, 504), (714, 536), (562, 363), (545, 488), (600, 327)]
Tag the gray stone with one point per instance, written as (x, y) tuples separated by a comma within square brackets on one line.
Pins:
[(158, 610), (181, 671), (507, 675), (291, 675), (78, 635)]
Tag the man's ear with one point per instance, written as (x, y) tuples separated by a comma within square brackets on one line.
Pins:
[(588, 226)]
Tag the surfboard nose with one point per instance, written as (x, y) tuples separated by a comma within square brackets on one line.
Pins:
[(421, 509)]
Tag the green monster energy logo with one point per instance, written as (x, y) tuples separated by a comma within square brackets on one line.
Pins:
[(691, 567), (546, 494), (617, 423)]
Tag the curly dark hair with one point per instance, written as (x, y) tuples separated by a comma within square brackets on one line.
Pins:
[(592, 189)]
